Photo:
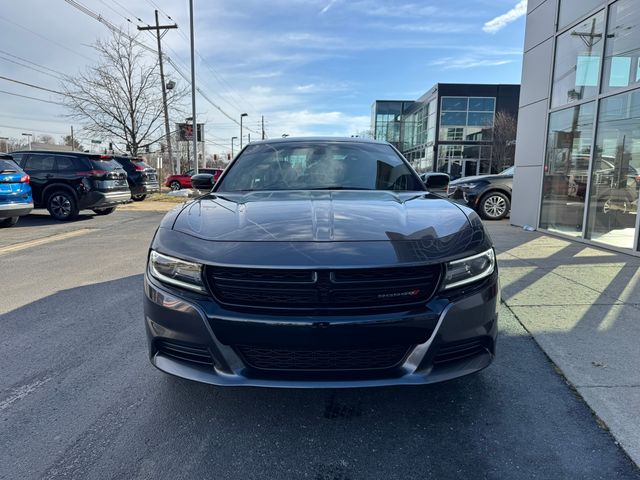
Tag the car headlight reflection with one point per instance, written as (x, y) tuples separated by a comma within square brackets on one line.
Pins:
[(470, 269), (179, 273)]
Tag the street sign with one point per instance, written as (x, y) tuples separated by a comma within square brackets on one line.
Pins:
[(185, 132)]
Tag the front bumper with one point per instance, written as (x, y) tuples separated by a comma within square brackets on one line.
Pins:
[(453, 335), (8, 210)]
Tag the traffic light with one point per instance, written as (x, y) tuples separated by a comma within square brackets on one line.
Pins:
[(215, 157), (228, 156)]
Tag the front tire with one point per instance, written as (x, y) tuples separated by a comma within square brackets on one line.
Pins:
[(175, 185), (8, 222), (494, 206), (138, 198), (104, 211), (62, 206)]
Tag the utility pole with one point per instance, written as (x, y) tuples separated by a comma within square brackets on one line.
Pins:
[(193, 89), (73, 145), (262, 127), (167, 131)]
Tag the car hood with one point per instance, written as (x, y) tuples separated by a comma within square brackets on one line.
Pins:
[(321, 216)]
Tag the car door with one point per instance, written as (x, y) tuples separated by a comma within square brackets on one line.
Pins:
[(41, 169)]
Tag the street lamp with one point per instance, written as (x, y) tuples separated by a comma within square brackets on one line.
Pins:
[(6, 144), (232, 139), (241, 116), (28, 135)]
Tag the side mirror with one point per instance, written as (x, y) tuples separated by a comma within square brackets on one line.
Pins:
[(436, 182), (202, 181)]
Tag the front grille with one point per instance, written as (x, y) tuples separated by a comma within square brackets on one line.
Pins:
[(289, 289), (185, 352), (452, 352), (369, 358)]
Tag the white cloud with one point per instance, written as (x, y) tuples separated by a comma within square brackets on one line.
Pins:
[(470, 61), (327, 7), (501, 21)]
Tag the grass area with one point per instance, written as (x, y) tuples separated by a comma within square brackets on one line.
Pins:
[(163, 197)]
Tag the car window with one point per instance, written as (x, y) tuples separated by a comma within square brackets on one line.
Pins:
[(188, 173), (508, 171), (142, 165), (319, 165), (8, 165), (66, 164), (104, 164), (37, 161)]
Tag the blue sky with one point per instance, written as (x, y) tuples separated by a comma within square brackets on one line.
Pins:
[(312, 67)]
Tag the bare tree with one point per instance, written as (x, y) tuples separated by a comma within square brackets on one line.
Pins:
[(48, 139), (120, 98), (503, 143)]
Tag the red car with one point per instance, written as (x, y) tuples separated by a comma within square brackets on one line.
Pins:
[(176, 182)]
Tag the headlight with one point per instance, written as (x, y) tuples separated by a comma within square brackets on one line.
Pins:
[(176, 272), (468, 186), (470, 269)]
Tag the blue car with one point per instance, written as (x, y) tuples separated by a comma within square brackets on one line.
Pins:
[(15, 192)]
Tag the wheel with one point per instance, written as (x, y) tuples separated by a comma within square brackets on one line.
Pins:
[(175, 185), (138, 198), (8, 222), (104, 211), (62, 205), (494, 206)]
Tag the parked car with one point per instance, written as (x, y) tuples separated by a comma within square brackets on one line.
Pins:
[(489, 195), (142, 178), (66, 182), (15, 193), (320, 263), (176, 182)]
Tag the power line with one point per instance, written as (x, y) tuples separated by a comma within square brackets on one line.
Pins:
[(43, 37), (31, 98), (32, 86), (2, 57)]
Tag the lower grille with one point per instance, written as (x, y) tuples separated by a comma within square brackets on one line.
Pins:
[(186, 353), (370, 358), (452, 352)]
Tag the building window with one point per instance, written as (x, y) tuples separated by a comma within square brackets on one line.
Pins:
[(615, 179), (566, 169), (571, 10), (622, 50), (467, 118), (577, 64), (457, 104)]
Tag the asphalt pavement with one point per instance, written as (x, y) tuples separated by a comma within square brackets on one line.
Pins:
[(79, 398)]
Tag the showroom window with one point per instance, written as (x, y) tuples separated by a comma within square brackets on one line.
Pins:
[(566, 169), (572, 10), (577, 63), (622, 50), (615, 179)]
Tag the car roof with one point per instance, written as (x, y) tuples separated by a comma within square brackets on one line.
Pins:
[(63, 152), (321, 139)]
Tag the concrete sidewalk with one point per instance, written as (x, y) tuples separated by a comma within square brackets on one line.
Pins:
[(582, 306)]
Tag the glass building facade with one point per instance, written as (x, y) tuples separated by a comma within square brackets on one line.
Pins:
[(451, 128), (591, 174)]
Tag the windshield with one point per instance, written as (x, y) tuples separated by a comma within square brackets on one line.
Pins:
[(508, 171), (319, 166)]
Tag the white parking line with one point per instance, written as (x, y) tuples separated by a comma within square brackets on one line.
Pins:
[(41, 241), (21, 392)]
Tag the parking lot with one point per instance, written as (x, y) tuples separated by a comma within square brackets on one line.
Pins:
[(79, 398)]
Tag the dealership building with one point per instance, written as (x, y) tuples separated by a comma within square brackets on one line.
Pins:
[(578, 143), (451, 128)]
